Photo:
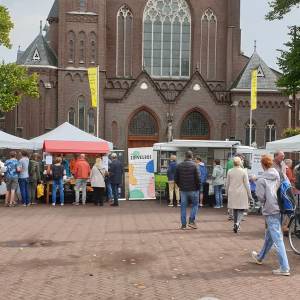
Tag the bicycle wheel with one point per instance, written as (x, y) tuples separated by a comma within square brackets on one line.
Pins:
[(294, 234)]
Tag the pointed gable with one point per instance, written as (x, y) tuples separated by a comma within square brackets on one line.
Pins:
[(267, 78), (38, 53), (53, 14)]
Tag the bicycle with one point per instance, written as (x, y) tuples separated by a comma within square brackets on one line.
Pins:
[(294, 229)]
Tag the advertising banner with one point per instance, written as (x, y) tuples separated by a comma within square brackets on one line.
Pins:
[(141, 173)]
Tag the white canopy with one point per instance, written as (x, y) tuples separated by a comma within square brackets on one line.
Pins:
[(195, 144), (291, 144), (8, 141), (66, 132)]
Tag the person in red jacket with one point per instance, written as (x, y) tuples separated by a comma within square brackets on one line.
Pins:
[(82, 172)]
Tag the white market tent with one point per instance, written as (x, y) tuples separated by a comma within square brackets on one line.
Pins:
[(8, 141), (291, 144), (66, 132)]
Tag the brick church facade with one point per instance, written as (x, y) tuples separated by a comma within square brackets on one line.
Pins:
[(163, 64)]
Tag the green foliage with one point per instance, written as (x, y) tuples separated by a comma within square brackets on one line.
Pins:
[(279, 8), (14, 84), (289, 63), (289, 132), (6, 25)]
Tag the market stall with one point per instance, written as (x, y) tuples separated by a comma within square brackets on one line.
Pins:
[(68, 139)]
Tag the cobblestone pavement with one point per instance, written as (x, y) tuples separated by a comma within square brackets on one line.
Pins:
[(134, 251)]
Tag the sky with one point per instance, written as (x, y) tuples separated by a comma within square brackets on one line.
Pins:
[(270, 36)]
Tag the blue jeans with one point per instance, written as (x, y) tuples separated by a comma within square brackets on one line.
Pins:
[(58, 183), (218, 195), (185, 196), (23, 183), (115, 192), (274, 237), (109, 194)]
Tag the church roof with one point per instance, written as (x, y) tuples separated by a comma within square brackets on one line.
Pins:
[(53, 14), (266, 80), (38, 53)]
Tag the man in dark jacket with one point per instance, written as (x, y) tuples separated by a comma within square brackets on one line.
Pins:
[(115, 175), (171, 177), (187, 177)]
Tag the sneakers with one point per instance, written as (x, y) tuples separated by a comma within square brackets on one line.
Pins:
[(217, 206), (236, 228), (183, 227), (178, 205), (192, 225), (254, 255), (75, 203), (114, 204), (281, 273), (62, 204), (53, 204), (170, 205)]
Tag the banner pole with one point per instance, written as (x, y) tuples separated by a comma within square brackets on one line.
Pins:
[(250, 126), (98, 95)]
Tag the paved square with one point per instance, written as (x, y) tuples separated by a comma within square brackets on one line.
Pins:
[(135, 251)]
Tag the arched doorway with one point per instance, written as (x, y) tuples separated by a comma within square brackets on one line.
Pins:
[(143, 130), (195, 127)]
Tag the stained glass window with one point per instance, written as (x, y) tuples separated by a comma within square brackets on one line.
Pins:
[(143, 123), (195, 125), (167, 38)]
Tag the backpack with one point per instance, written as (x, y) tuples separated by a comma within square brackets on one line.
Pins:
[(285, 196), (57, 172), (297, 176)]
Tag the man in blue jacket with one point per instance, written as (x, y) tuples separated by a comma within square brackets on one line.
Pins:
[(203, 177), (115, 175), (171, 181)]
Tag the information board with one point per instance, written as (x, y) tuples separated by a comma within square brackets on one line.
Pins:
[(141, 173)]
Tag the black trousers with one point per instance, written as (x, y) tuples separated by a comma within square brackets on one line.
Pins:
[(98, 195)]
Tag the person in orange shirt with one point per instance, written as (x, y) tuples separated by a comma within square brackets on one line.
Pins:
[(82, 172), (72, 164)]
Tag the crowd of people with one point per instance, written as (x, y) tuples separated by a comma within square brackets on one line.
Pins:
[(23, 177), (187, 180)]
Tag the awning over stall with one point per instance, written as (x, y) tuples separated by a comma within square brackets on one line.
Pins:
[(69, 133), (291, 144), (76, 147), (8, 141)]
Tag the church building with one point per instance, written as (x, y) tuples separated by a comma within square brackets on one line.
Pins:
[(164, 66)]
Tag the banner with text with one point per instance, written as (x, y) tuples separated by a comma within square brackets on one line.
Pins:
[(141, 173)]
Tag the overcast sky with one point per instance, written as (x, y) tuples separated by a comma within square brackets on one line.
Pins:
[(26, 15)]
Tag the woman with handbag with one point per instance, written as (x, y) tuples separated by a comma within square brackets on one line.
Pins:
[(238, 192), (97, 177)]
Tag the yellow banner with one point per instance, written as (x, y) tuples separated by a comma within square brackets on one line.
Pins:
[(93, 80), (254, 90)]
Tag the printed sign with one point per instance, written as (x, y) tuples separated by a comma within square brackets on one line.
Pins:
[(141, 173), (256, 168)]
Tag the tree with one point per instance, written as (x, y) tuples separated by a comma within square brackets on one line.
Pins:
[(16, 83), (289, 132), (6, 25), (289, 63), (279, 8)]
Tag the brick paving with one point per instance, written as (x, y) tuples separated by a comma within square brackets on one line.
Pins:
[(134, 251)]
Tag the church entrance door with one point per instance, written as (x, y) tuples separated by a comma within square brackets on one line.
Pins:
[(143, 130)]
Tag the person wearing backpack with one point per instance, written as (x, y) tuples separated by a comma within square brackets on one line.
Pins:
[(266, 191), (58, 172), (34, 177)]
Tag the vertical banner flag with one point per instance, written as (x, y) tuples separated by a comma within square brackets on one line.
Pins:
[(254, 90), (93, 80), (141, 173)]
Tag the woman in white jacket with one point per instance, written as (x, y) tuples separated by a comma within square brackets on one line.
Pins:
[(98, 182), (238, 192)]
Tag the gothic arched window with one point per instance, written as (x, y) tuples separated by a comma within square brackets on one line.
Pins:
[(93, 48), (82, 50), (91, 121), (195, 125), (81, 113), (167, 38), (71, 46), (253, 134), (124, 42), (270, 131), (208, 48), (71, 116), (143, 123)]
